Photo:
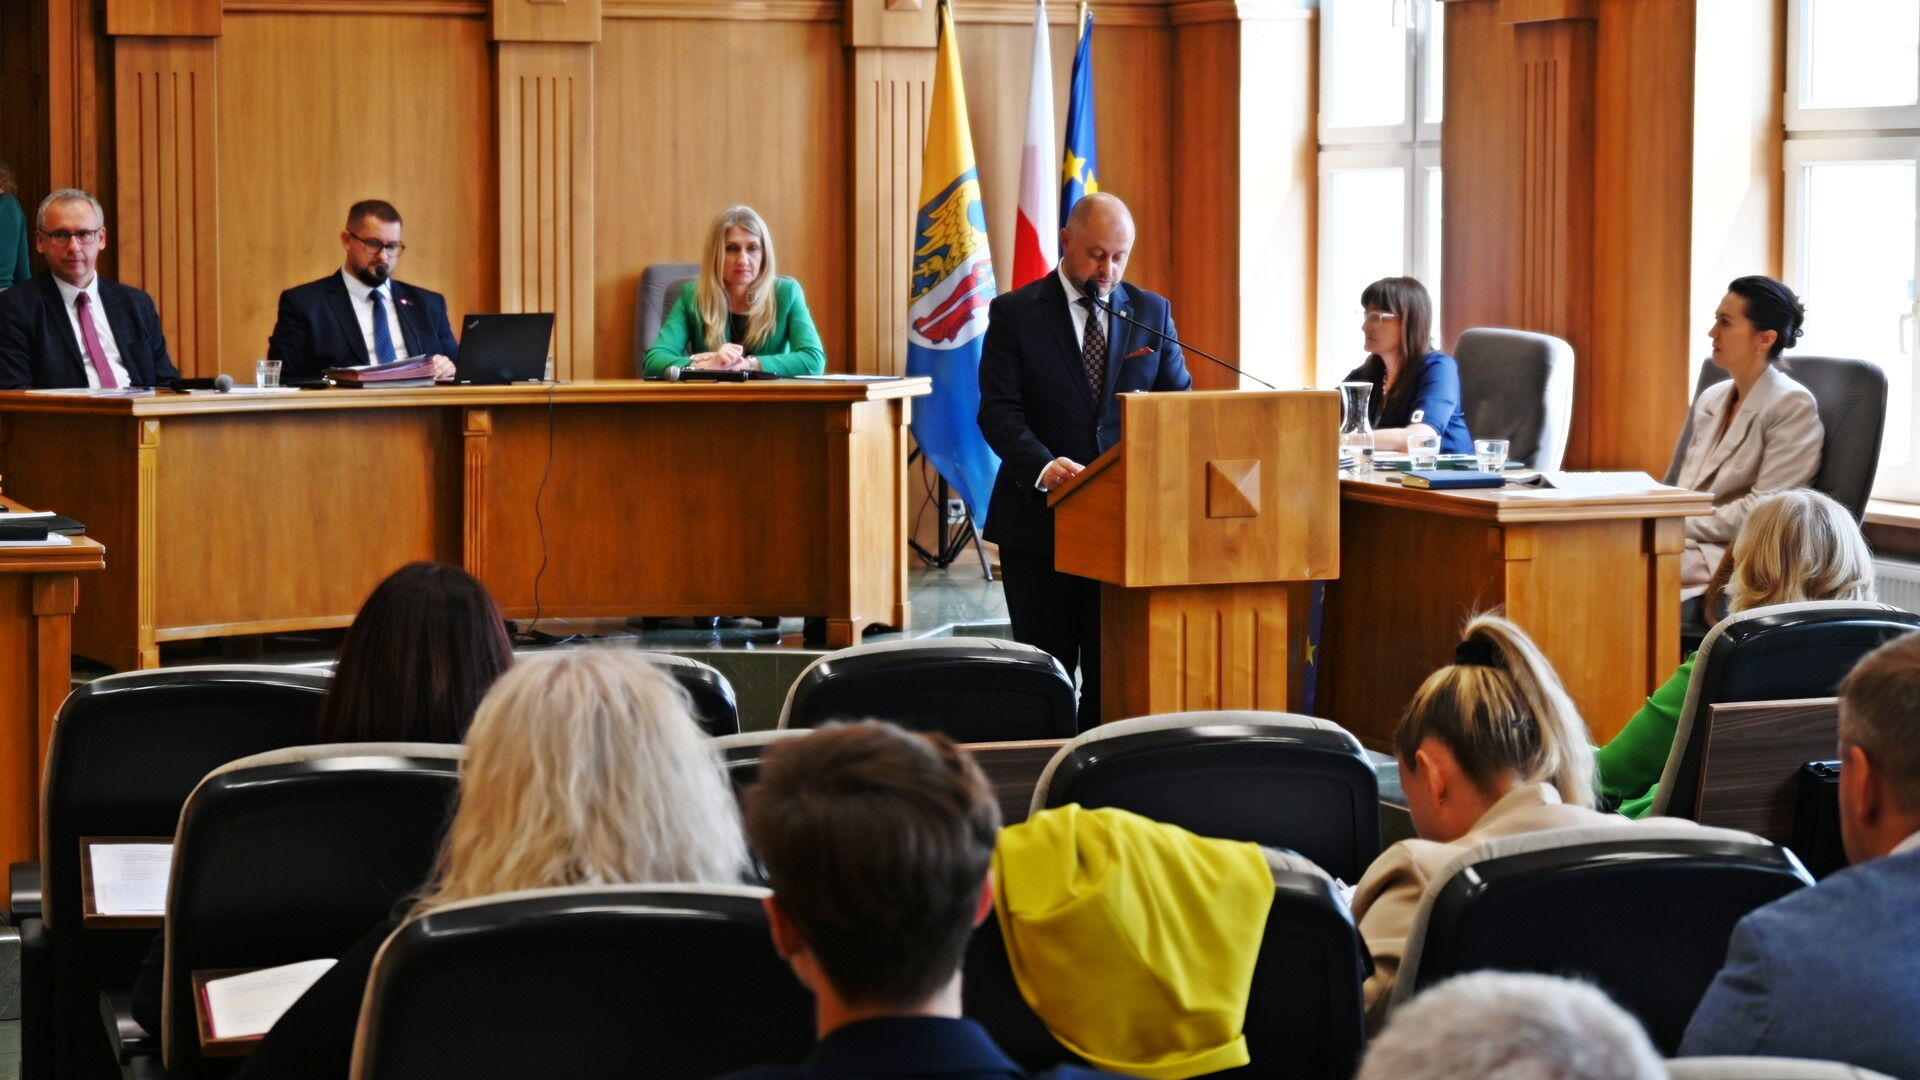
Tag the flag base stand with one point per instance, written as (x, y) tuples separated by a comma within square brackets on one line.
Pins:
[(952, 541)]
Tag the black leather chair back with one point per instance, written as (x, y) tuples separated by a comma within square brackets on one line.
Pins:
[(1648, 921), (1517, 385), (1304, 1012), (970, 689), (126, 751), (1771, 654), (1306, 789), (585, 984), (714, 704), (1851, 398), (295, 858), (660, 286)]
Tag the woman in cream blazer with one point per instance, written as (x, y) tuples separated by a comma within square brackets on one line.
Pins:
[(1489, 746), (1755, 433)]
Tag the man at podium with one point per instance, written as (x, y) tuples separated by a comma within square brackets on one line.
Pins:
[(1058, 351)]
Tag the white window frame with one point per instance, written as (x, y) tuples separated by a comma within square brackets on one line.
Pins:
[(1799, 63)]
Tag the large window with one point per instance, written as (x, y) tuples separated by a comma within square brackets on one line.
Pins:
[(1852, 240), (1380, 112)]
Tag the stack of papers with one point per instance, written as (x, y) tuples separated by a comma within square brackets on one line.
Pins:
[(130, 879), (247, 1006)]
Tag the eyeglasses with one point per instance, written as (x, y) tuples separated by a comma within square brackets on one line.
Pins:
[(1376, 316), (375, 247), (78, 237)]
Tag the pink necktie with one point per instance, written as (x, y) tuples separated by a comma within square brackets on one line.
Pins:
[(83, 305)]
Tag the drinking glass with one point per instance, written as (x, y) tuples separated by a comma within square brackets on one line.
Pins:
[(1492, 454), (266, 374), (1424, 450)]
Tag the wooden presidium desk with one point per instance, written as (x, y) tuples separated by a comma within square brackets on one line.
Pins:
[(1594, 579), (232, 514)]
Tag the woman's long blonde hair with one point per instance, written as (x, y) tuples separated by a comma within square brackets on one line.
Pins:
[(1500, 708), (1798, 545), (586, 767), (710, 296)]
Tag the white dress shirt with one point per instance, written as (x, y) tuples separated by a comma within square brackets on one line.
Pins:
[(1080, 312), (362, 297), (69, 297)]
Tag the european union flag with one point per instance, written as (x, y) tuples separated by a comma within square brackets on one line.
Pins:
[(1079, 173)]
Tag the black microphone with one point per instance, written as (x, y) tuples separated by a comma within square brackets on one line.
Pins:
[(1091, 292), (694, 374), (219, 384)]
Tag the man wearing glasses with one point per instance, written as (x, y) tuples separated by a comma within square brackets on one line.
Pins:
[(69, 328), (361, 315)]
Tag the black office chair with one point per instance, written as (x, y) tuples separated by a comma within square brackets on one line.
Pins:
[(1278, 779), (660, 286), (1772, 653), (1766, 1068), (584, 983), (741, 754), (294, 855), (126, 751), (971, 689), (714, 705), (1642, 909), (1517, 385), (1851, 398), (1304, 1012)]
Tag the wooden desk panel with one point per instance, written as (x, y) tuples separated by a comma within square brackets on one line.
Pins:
[(1594, 581), (263, 514)]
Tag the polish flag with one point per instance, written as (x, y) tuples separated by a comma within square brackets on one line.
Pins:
[(1035, 244)]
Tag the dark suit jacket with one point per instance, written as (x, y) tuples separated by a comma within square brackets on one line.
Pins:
[(38, 347), (317, 328), (925, 1047), (1035, 404)]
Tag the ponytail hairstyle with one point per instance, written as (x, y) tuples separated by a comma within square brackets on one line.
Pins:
[(1500, 708)]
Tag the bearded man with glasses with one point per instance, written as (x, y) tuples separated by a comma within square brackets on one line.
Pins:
[(360, 314), (70, 328)]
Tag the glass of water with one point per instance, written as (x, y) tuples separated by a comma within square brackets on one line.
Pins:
[(1492, 454), (1424, 450), (266, 374)]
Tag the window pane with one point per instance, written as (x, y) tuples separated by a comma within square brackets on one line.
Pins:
[(1432, 272), (1858, 273), (1432, 108), (1861, 53), (1364, 53), (1365, 239)]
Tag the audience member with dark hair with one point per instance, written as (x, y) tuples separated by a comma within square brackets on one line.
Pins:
[(418, 658), (583, 767), (1758, 431), (878, 842), (1834, 971), (1416, 387), (1496, 1025), (1490, 746)]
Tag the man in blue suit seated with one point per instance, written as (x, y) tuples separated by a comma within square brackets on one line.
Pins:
[(69, 327), (1051, 371), (877, 842), (1834, 971), (361, 315)]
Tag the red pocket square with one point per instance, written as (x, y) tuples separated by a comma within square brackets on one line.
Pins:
[(1136, 354)]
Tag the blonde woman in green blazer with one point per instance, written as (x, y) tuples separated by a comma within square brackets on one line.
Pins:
[(738, 314)]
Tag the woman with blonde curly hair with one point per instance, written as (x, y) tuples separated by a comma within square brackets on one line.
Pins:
[(583, 767), (1796, 545), (738, 314)]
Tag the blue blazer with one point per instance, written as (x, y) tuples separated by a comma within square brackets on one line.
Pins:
[(1436, 397), (1035, 404), (1827, 972), (317, 329), (38, 348)]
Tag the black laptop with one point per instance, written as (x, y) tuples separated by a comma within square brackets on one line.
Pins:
[(504, 348)]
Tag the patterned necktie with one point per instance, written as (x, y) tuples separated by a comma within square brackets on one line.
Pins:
[(1093, 349), (90, 337), (382, 333)]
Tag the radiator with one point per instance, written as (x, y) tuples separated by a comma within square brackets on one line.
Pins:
[(1897, 583)]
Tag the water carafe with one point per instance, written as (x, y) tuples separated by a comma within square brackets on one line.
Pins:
[(1356, 428)]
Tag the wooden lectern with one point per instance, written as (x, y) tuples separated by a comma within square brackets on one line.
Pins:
[(1206, 526)]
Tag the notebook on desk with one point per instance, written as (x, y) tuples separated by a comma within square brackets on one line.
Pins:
[(509, 348)]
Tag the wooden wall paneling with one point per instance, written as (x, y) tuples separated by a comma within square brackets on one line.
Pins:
[(25, 143), (675, 144), (317, 110), (546, 20), (1481, 239), (166, 221), (79, 120), (1639, 368), (1136, 76), (891, 90), (164, 18), (545, 107)]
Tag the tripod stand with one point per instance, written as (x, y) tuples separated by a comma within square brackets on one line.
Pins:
[(951, 541)]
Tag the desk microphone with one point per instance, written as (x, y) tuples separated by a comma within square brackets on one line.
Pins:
[(1092, 293), (219, 384)]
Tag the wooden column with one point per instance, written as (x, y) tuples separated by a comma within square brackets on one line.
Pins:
[(545, 94), (890, 47), (163, 215)]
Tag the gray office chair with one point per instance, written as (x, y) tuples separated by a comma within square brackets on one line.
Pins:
[(1518, 386), (659, 287), (1851, 397)]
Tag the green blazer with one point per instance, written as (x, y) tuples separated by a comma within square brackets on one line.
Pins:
[(1631, 764), (13, 243), (793, 349)]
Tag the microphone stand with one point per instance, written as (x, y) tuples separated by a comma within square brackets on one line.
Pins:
[(1092, 296)]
